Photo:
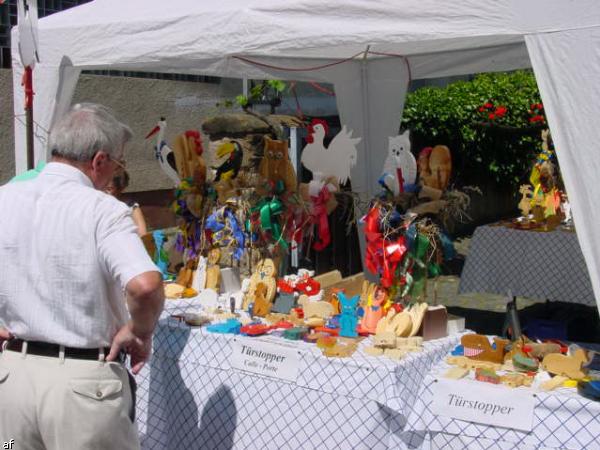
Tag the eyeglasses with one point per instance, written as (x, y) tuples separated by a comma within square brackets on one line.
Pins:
[(119, 162)]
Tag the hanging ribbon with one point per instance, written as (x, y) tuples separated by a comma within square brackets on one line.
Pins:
[(320, 219), (226, 231), (268, 212)]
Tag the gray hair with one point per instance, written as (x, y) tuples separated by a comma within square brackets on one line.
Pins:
[(87, 129)]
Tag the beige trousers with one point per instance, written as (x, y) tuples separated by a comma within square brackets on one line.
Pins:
[(71, 404)]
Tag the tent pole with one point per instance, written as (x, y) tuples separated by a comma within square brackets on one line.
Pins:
[(28, 82)]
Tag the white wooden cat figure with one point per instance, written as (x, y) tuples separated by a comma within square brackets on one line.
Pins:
[(400, 167)]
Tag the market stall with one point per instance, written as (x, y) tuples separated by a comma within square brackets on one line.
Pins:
[(557, 419), (193, 394)]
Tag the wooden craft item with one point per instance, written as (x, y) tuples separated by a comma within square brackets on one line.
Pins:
[(351, 285), (384, 324), (400, 166), (435, 167), (456, 373), (514, 348), (553, 383), (516, 380), (265, 272), (195, 320), (188, 159), (312, 338), (335, 301), (344, 348), (487, 376), (524, 364), (525, 203), (189, 293), (328, 278), (417, 314), (323, 310), (540, 350), (199, 276), (478, 347), (262, 306), (348, 319), (435, 323), (367, 291), (173, 290), (186, 274), (402, 324), (276, 166), (568, 366), (373, 311), (314, 322), (295, 334), (385, 339), (213, 271), (467, 363), (326, 342)]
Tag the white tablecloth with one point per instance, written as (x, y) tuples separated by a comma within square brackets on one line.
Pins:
[(190, 397), (562, 420), (539, 265)]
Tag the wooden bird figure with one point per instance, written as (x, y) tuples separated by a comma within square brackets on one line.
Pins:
[(231, 167), (276, 166), (188, 157), (162, 152)]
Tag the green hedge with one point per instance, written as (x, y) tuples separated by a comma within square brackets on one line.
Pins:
[(498, 151)]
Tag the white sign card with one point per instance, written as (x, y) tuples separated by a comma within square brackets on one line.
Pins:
[(265, 359), (485, 403)]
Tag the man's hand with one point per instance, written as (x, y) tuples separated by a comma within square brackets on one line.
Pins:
[(4, 336), (137, 347)]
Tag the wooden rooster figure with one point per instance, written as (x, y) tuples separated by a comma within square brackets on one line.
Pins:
[(335, 160), (276, 166), (162, 152), (231, 167)]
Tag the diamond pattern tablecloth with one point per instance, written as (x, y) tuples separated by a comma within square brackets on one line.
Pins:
[(189, 396), (562, 420), (540, 265)]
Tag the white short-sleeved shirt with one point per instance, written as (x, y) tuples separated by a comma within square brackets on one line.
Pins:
[(67, 251)]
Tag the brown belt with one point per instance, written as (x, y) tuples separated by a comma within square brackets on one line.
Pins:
[(53, 350)]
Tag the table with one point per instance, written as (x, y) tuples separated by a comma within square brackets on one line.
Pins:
[(562, 419), (541, 265), (190, 397)]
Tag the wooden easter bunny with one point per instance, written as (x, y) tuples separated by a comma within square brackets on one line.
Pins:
[(349, 319)]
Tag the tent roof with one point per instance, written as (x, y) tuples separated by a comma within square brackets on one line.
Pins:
[(140, 33)]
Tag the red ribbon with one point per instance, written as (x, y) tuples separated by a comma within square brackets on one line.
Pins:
[(382, 256), (319, 217)]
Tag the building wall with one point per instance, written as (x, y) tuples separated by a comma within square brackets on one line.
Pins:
[(7, 135)]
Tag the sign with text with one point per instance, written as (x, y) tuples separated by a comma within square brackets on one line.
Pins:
[(265, 359), (484, 403)]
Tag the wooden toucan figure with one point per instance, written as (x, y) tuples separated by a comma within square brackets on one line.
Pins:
[(231, 167)]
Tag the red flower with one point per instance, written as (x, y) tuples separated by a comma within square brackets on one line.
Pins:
[(492, 116), (481, 109), (500, 111), (537, 118), (488, 105)]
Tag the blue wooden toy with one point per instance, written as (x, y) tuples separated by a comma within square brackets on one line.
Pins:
[(348, 319), (229, 326)]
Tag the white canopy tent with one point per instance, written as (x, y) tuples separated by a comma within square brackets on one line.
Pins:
[(368, 49)]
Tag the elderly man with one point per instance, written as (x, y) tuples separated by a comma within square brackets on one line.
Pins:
[(67, 252)]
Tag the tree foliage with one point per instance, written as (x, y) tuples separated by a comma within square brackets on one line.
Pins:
[(488, 123)]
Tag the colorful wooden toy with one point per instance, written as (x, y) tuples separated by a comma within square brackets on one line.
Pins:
[(569, 366), (477, 346), (349, 319)]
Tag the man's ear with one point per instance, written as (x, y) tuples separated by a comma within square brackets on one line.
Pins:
[(100, 160)]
